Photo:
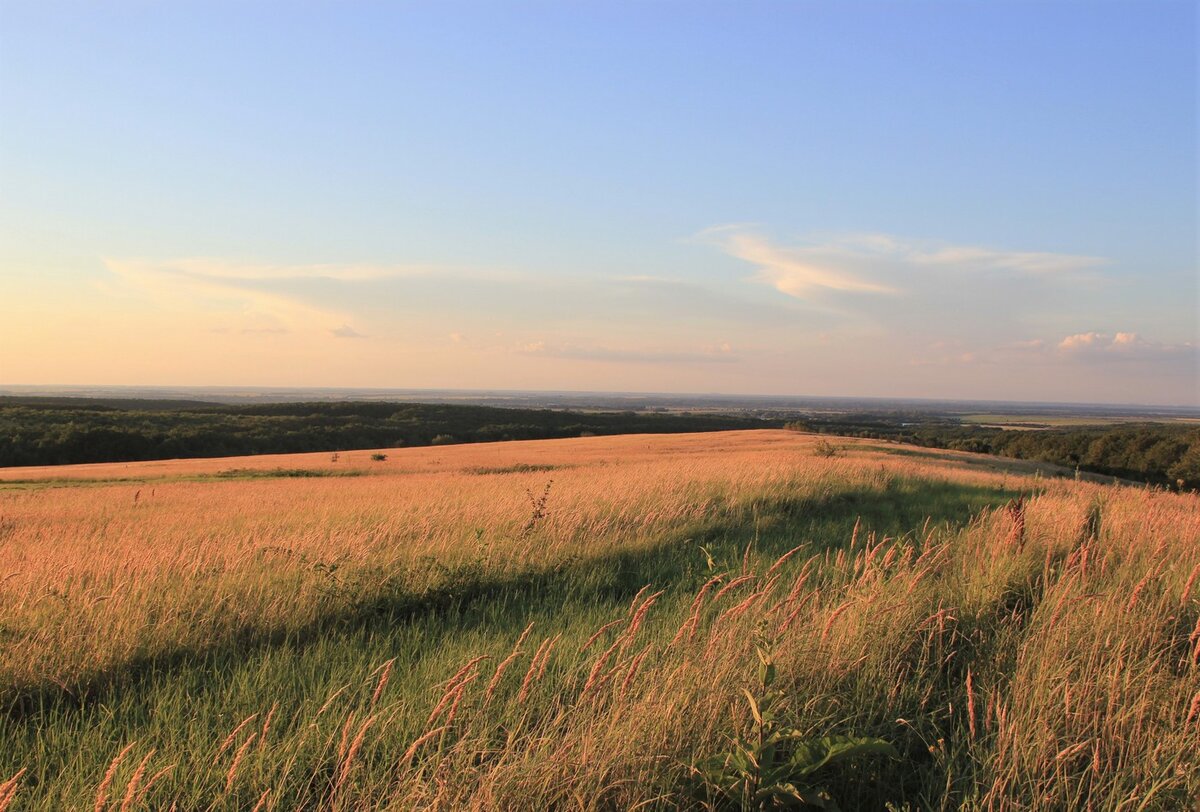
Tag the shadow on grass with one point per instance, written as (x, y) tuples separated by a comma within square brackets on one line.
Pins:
[(468, 596)]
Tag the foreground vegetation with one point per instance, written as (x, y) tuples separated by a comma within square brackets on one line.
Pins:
[(600, 623)]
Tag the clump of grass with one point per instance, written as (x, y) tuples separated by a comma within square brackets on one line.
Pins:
[(283, 473), (516, 468), (826, 449)]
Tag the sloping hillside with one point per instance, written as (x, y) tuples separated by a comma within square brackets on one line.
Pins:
[(596, 623)]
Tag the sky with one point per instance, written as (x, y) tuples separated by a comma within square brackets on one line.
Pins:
[(976, 200)]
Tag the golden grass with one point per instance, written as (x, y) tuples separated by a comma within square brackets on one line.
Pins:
[(1044, 657)]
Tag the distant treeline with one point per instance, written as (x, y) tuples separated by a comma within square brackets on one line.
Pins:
[(1156, 453), (59, 431)]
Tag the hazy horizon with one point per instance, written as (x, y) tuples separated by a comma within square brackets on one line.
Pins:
[(581, 397), (993, 201)]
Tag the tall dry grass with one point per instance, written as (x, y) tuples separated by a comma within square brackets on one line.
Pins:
[(1040, 655)]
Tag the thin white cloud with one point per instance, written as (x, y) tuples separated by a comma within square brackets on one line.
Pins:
[(795, 272), (217, 288), (267, 296), (879, 263), (938, 253), (219, 269)]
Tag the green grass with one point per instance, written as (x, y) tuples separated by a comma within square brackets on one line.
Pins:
[(518, 468)]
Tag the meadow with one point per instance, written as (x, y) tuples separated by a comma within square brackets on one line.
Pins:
[(705, 621)]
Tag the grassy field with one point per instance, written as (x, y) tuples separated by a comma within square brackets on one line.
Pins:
[(595, 623)]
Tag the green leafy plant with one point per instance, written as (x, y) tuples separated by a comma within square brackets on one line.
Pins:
[(772, 765)]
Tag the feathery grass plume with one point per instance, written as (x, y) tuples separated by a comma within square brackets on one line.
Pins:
[(632, 670), (1193, 708), (382, 683), (347, 763), (1187, 588), (783, 559), (154, 779), (970, 704), (800, 581), (838, 612), (262, 801), (636, 598), (228, 741), (740, 609), (8, 790), (1074, 749), (461, 673), (640, 614), (106, 782), (420, 742), (459, 692), (328, 701), (732, 585), (800, 607), (262, 735), (131, 789), (231, 776), (503, 666), (546, 655), (527, 680), (452, 695), (344, 741), (1137, 592), (689, 626), (594, 674), (597, 634)]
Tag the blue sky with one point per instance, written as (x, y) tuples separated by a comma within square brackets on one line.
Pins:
[(993, 200)]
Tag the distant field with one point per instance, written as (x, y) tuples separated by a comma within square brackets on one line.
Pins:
[(578, 624)]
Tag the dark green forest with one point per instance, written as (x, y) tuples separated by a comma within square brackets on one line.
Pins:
[(60, 431), (1166, 454)]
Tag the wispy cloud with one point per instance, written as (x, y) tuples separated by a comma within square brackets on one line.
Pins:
[(221, 269), (937, 253), (865, 263), (796, 272), (254, 292)]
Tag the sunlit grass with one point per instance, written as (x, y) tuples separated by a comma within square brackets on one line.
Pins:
[(316, 642)]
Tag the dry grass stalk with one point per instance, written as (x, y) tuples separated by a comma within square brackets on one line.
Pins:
[(383, 681), (228, 741), (231, 776), (106, 783), (503, 666), (131, 789), (597, 635), (8, 790)]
